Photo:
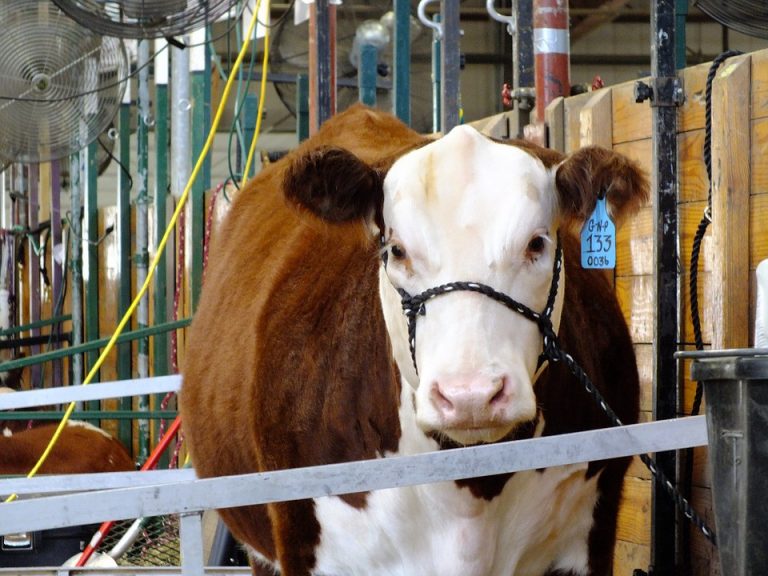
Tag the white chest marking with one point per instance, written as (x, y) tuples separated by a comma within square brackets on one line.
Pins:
[(540, 521)]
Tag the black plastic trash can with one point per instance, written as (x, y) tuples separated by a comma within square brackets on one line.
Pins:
[(736, 394)]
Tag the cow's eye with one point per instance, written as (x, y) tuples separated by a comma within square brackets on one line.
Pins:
[(398, 252), (536, 246)]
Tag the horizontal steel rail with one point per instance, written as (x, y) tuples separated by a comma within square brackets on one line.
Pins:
[(94, 345), (98, 391), (192, 496), (91, 415), (59, 484), (34, 325)]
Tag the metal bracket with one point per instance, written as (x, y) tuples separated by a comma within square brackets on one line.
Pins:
[(661, 91)]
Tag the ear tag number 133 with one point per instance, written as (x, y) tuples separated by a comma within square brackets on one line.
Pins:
[(598, 239)]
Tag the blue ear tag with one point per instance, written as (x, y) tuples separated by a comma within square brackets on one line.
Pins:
[(598, 239)]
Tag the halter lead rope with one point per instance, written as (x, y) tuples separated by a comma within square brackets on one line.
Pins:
[(415, 306)]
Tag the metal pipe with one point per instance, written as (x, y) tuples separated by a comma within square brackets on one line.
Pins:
[(401, 94), (91, 254), (181, 156), (322, 66), (142, 234), (160, 301), (450, 65), (91, 415), (33, 260), (421, 12), (366, 74), (523, 56), (76, 263), (58, 263), (551, 48), (437, 116), (34, 325), (302, 107), (128, 539), (100, 343), (161, 295), (666, 255), (504, 19)]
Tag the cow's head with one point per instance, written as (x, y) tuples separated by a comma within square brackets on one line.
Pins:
[(466, 208)]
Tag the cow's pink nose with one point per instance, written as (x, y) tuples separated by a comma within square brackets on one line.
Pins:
[(469, 402)]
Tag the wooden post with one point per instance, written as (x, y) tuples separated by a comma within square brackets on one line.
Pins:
[(731, 174), (554, 118), (596, 120)]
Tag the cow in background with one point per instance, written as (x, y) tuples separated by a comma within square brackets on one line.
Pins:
[(80, 449)]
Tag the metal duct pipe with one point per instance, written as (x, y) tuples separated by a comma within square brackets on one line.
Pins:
[(551, 49)]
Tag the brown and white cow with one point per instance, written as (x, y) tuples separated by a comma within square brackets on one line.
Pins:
[(299, 352), (80, 449)]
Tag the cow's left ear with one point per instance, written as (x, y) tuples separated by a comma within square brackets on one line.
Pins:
[(592, 171), (334, 184)]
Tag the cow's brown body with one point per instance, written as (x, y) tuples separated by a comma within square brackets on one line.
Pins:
[(80, 449), (289, 364)]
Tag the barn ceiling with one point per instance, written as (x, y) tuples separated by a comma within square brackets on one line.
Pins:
[(586, 15)]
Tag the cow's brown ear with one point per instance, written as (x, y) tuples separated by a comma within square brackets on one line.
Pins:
[(334, 184), (592, 171)]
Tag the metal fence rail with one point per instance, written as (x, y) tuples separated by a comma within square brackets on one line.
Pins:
[(125, 495)]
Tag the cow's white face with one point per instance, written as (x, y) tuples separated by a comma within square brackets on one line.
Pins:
[(467, 209)]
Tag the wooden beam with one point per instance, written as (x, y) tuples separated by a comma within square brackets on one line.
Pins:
[(596, 120), (604, 14), (730, 204)]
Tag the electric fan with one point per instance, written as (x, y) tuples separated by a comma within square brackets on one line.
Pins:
[(144, 18), (61, 83), (746, 16), (290, 56)]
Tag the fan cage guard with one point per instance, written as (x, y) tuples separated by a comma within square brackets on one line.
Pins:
[(61, 86), (144, 18), (157, 545), (746, 16)]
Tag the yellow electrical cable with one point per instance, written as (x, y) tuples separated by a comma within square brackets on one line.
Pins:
[(160, 247), (262, 92)]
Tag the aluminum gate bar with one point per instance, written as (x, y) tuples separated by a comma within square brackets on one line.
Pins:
[(283, 485)]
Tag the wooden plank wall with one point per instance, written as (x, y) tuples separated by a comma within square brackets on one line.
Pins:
[(735, 243)]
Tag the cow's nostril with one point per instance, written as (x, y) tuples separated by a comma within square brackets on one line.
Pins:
[(441, 402), (500, 394)]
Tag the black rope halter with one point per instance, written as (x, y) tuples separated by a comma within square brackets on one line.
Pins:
[(415, 306)]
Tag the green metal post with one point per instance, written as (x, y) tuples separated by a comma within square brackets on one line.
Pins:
[(402, 58), (250, 110), (91, 259), (196, 220), (302, 106), (124, 364), (366, 74)]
